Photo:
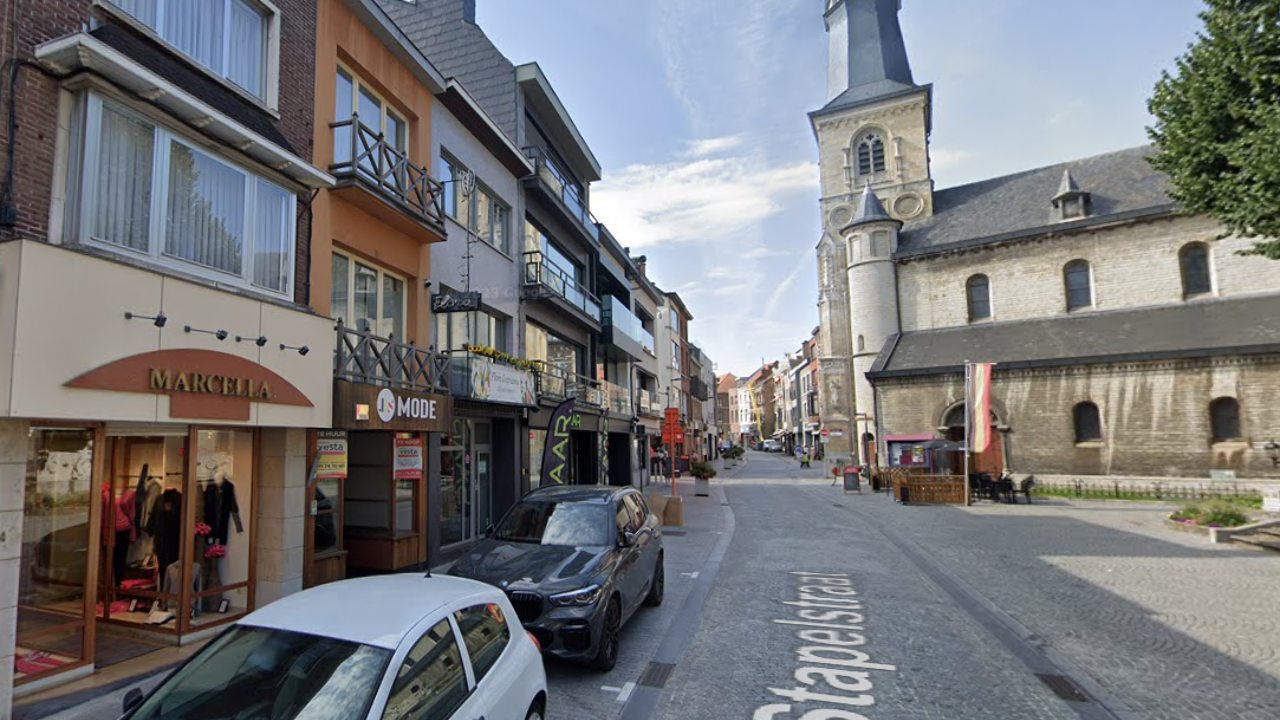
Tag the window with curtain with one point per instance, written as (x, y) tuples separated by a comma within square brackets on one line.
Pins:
[(1194, 260), (353, 98), (367, 298), (473, 205), (979, 294), (229, 37), (871, 154), (1224, 415), (1087, 422), (1078, 284), (148, 191)]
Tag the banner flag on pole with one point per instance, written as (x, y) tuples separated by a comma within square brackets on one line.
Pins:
[(555, 456), (978, 404)]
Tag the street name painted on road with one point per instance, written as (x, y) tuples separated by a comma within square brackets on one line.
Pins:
[(832, 618)]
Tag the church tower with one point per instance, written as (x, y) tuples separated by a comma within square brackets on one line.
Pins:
[(873, 143)]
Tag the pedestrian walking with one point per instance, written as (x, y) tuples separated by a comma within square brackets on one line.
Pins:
[(804, 459)]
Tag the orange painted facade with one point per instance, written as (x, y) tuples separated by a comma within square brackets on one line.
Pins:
[(353, 220)]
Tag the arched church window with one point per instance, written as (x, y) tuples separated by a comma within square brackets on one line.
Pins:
[(1079, 285), (1224, 414), (1194, 260), (871, 154), (1087, 421), (979, 292)]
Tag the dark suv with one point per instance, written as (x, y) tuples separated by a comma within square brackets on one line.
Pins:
[(576, 562)]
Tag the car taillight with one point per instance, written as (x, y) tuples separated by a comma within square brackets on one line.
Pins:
[(535, 640)]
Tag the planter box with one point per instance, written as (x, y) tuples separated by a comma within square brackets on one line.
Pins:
[(701, 488)]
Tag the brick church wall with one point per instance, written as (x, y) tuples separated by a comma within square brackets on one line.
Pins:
[(1155, 416)]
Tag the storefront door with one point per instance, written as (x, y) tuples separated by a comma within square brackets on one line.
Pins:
[(465, 491), (481, 485)]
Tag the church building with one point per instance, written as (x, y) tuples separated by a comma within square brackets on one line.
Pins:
[(1129, 340)]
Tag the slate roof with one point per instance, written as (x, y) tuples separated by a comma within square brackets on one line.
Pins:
[(460, 49), (1121, 184), (163, 63), (1206, 328), (869, 210)]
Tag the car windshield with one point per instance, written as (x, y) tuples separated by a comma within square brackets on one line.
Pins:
[(253, 673), (557, 523)]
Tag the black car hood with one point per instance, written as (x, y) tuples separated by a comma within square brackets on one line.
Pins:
[(504, 564)]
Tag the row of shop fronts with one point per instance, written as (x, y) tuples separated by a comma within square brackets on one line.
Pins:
[(169, 481)]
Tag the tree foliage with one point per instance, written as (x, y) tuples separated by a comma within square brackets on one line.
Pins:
[(1217, 121)]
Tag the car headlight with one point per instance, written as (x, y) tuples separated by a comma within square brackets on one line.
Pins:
[(586, 596)]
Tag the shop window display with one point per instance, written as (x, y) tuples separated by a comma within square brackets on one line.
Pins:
[(222, 556), (142, 537), (53, 576), (455, 462)]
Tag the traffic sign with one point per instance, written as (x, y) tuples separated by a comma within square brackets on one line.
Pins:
[(826, 433)]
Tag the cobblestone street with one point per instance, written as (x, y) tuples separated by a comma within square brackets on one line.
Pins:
[(971, 604)]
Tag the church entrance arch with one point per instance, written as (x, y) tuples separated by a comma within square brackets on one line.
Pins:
[(990, 461)]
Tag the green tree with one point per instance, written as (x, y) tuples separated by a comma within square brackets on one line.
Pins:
[(1217, 122)]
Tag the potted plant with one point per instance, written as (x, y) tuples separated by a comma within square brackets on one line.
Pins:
[(702, 473)]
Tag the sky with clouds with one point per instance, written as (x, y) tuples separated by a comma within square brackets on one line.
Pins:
[(697, 111)]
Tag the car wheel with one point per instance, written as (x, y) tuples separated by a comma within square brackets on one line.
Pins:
[(607, 649), (657, 586), (535, 712)]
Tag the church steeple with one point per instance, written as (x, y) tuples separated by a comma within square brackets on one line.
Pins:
[(867, 58)]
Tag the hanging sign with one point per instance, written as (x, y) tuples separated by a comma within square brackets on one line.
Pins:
[(408, 458), (331, 451), (500, 383), (452, 302)]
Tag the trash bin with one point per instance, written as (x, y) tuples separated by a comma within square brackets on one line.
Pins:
[(904, 494)]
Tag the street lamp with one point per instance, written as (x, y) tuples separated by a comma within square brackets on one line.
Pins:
[(1273, 452)]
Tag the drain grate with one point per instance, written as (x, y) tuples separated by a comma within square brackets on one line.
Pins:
[(836, 505), (656, 675), (1065, 688), (675, 533)]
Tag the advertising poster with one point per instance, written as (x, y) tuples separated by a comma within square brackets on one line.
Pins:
[(408, 458), (331, 451)]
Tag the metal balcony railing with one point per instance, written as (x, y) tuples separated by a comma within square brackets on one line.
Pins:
[(542, 273), (362, 153), (557, 181), (365, 358)]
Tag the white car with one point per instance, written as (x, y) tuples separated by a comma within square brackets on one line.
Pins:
[(399, 647), (772, 446)]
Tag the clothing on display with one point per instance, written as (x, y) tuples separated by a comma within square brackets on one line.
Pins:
[(168, 531), (220, 509), (173, 585)]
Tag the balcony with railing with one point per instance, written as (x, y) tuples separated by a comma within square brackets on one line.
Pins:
[(547, 280), (364, 358), (484, 379), (557, 384), (648, 405), (556, 183), (384, 175), (699, 388), (625, 332)]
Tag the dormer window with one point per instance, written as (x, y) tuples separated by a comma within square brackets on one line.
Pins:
[(1071, 203), (871, 154)]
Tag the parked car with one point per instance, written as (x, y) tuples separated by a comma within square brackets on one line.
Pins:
[(576, 561), (772, 446), (389, 648)]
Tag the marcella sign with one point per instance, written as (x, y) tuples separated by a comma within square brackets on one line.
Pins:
[(368, 407)]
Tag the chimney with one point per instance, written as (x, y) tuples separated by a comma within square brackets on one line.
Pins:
[(469, 11), (641, 262)]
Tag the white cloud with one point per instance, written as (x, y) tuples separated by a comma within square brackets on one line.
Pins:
[(712, 146), (944, 158), (760, 253), (696, 201), (806, 263)]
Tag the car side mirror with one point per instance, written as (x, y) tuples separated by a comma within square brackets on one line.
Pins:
[(488, 532), (629, 538), (132, 700)]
